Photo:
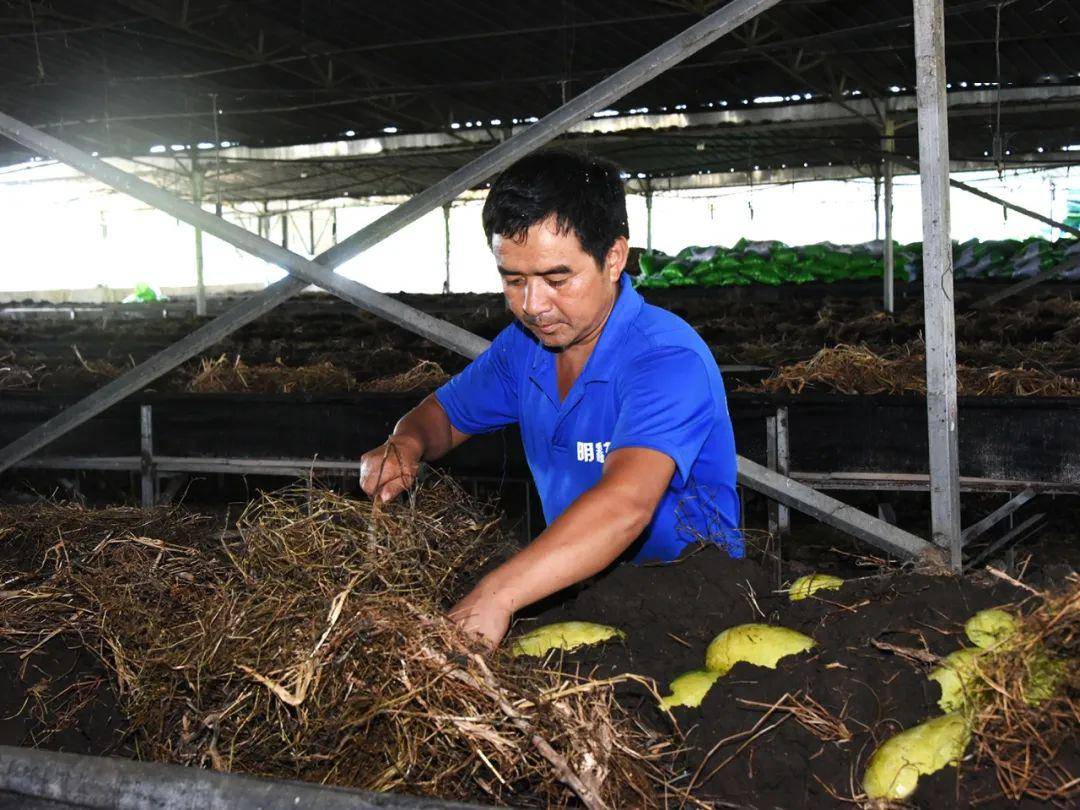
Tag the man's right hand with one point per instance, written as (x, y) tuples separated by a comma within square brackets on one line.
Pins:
[(423, 434), (390, 468)]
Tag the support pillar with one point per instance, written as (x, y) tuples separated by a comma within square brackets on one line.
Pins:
[(648, 221), (888, 256), (200, 286), (778, 456), (446, 238), (148, 475), (877, 205), (940, 317)]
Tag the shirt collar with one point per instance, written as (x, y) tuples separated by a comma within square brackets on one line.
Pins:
[(600, 365)]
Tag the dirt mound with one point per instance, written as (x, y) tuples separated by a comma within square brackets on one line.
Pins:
[(800, 735)]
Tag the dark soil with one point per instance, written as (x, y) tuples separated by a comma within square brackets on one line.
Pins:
[(737, 751), (766, 328), (60, 697)]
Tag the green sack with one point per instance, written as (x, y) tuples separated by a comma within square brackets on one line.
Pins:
[(651, 264), (675, 271)]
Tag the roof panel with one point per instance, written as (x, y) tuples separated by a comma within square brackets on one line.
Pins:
[(120, 76)]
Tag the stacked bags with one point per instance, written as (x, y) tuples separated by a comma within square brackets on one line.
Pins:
[(775, 263)]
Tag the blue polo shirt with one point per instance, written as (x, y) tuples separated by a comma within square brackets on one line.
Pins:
[(650, 382)]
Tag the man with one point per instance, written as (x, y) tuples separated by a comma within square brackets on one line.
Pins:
[(620, 404)]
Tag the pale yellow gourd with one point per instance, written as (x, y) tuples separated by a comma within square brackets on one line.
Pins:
[(894, 770), (762, 645), (988, 628), (563, 636), (690, 688), (811, 584), (957, 676), (1045, 676)]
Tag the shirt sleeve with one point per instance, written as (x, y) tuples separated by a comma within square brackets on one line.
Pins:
[(666, 403), (484, 397)]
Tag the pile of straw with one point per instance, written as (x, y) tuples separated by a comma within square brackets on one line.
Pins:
[(310, 644), (425, 375), (221, 375), (1025, 740), (16, 377), (858, 370)]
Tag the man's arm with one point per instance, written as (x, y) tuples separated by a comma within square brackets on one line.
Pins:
[(423, 434), (583, 541)]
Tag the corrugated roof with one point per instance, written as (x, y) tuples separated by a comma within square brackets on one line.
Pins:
[(122, 76)]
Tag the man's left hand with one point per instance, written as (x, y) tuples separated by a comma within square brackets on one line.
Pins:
[(482, 615)]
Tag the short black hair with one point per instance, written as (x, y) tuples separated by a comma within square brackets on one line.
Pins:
[(584, 194)]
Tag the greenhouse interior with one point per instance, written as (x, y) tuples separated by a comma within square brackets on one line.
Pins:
[(658, 404)]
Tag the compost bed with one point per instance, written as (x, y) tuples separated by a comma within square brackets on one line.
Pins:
[(743, 747), (765, 326), (744, 744)]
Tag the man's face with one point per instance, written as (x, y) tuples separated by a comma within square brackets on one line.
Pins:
[(554, 287)]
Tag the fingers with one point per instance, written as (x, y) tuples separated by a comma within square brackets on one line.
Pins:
[(469, 625), (384, 474), (480, 620), (391, 489)]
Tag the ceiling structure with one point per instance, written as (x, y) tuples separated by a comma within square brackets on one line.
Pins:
[(288, 99)]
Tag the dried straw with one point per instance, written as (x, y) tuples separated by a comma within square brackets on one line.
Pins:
[(809, 714), (16, 377), (220, 375), (310, 644), (425, 375), (1025, 740), (858, 370)]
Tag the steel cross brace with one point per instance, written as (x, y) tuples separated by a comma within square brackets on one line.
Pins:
[(986, 195), (320, 270), (995, 517), (834, 513)]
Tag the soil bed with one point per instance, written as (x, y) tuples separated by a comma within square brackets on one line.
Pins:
[(1038, 331), (746, 745), (797, 736)]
